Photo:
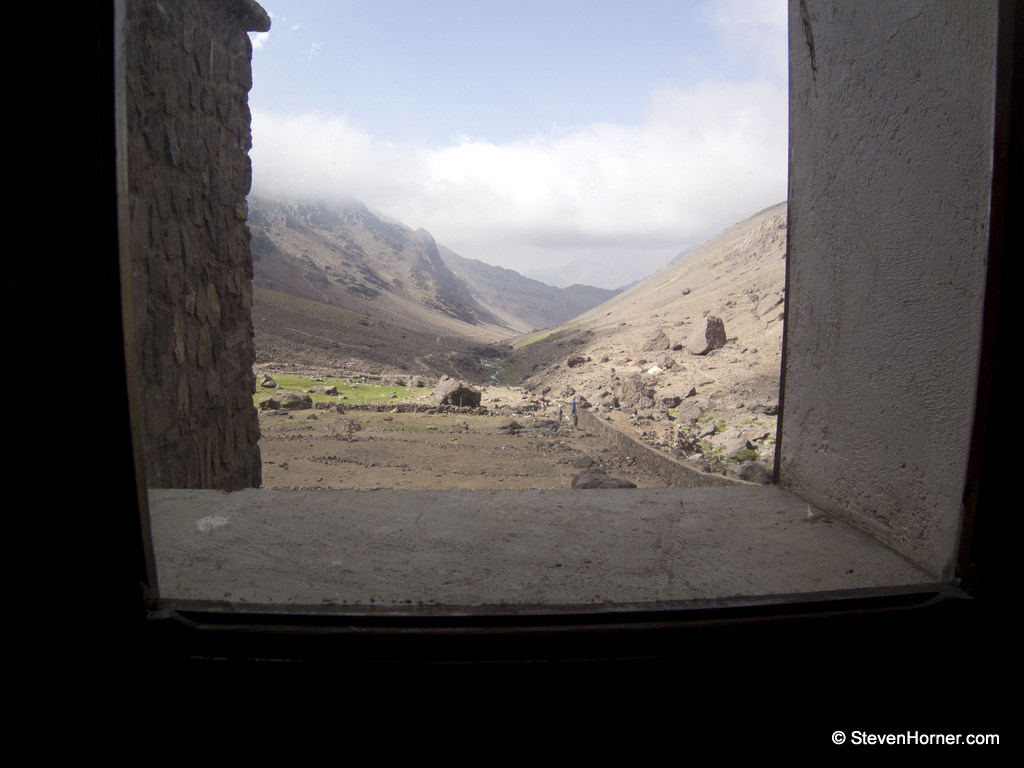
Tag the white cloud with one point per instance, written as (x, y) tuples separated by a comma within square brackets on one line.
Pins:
[(702, 160), (258, 39), (753, 33)]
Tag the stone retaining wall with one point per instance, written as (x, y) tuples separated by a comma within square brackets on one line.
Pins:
[(673, 472)]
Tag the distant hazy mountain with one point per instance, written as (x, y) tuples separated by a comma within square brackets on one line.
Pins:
[(521, 302), (344, 255)]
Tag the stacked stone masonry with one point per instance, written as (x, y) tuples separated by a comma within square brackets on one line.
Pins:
[(188, 137)]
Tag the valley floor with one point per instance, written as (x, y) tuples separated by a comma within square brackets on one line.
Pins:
[(381, 450)]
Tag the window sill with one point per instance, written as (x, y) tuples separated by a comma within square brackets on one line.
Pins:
[(410, 552)]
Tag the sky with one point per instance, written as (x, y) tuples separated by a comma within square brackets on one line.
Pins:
[(572, 141)]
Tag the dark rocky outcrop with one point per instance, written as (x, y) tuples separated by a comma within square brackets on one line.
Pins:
[(657, 342), (755, 472), (707, 336), (286, 401), (633, 389), (665, 361), (458, 393), (598, 478)]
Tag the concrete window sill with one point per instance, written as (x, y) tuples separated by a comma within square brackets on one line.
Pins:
[(405, 549)]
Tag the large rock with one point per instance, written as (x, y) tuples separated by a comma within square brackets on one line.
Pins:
[(658, 342), (453, 392), (756, 472), (286, 401), (633, 389), (597, 478), (665, 361), (707, 336)]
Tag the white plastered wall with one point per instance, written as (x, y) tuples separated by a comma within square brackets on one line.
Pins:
[(891, 109)]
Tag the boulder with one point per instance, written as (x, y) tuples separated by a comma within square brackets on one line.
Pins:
[(321, 389), (708, 335), (268, 382), (755, 472), (665, 361), (575, 360), (658, 342), (632, 389), (286, 401), (454, 392), (598, 478)]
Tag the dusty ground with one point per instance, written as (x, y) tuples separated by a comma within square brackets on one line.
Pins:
[(364, 449)]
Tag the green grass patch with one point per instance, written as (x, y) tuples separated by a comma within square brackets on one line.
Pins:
[(535, 339), (711, 451), (547, 336), (511, 376), (356, 392), (744, 455)]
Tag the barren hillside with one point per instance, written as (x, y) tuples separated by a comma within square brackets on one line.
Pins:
[(630, 357)]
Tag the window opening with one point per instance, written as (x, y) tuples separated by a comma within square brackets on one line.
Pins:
[(405, 309), (380, 520)]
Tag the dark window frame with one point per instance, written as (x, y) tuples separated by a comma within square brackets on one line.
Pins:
[(86, 600)]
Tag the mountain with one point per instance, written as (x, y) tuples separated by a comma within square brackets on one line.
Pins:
[(316, 338), (738, 276), (347, 257), (521, 302), (344, 255), (630, 357)]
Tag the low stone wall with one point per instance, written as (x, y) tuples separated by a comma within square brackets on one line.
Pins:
[(673, 472), (390, 407)]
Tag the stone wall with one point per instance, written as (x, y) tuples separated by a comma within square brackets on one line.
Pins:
[(891, 141), (674, 473), (188, 66)]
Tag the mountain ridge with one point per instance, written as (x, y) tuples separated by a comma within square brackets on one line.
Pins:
[(344, 255)]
